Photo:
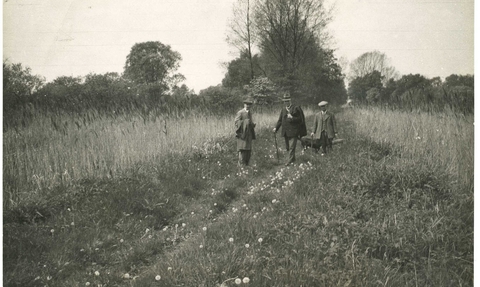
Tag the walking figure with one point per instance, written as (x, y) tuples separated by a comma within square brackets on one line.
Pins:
[(324, 127), (292, 121), (245, 132)]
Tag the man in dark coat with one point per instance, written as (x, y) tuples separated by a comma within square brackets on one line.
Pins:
[(292, 121), (245, 132)]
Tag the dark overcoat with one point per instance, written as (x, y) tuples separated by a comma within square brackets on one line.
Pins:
[(294, 127), (245, 130)]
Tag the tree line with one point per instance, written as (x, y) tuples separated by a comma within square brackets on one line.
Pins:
[(373, 81), (282, 45)]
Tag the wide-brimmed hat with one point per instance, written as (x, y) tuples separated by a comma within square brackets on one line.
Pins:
[(286, 97), (322, 103), (248, 100)]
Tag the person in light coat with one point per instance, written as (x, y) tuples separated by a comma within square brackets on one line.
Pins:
[(245, 132), (324, 127)]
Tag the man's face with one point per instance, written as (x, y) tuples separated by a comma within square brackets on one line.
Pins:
[(247, 106), (288, 103), (323, 108)]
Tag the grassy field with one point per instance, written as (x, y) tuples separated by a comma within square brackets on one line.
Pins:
[(391, 206)]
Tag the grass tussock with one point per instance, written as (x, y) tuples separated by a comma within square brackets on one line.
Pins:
[(375, 211)]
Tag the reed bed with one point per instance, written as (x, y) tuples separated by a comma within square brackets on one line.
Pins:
[(60, 149), (442, 141)]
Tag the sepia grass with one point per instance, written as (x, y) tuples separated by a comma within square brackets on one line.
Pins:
[(60, 149), (372, 212)]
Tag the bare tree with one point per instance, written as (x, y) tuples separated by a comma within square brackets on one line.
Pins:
[(241, 32), (373, 61)]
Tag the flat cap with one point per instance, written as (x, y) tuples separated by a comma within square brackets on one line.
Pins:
[(322, 103)]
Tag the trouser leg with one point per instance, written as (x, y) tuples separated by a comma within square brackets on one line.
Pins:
[(291, 155), (324, 141), (248, 154), (244, 157)]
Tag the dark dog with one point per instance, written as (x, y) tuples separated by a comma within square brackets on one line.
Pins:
[(308, 142)]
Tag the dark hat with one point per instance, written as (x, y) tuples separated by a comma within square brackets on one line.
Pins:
[(248, 100), (322, 103), (286, 97)]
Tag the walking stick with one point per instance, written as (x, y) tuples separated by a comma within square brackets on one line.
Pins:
[(276, 146), (311, 145)]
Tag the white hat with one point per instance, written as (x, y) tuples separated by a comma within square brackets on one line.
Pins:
[(322, 103)]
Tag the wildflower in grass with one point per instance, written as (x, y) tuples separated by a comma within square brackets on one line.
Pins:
[(201, 246), (121, 240), (158, 277), (230, 239), (210, 211), (204, 228), (215, 204), (126, 276), (165, 228), (238, 281), (52, 231), (82, 250), (254, 216), (87, 284), (247, 245), (169, 268), (246, 280), (193, 213), (97, 273), (273, 201), (49, 278), (184, 224), (260, 240), (150, 236)]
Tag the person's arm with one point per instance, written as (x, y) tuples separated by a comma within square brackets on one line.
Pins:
[(238, 120), (334, 125)]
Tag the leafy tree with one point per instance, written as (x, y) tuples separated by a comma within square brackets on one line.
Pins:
[(151, 66), (264, 90), (18, 85), (372, 61), (460, 80), (239, 71), (410, 82), (373, 95), (289, 33), (322, 79), (358, 88), (222, 99), (63, 93), (107, 92)]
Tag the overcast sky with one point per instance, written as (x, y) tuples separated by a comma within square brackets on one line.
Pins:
[(75, 37)]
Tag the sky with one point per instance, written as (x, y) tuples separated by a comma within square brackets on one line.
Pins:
[(77, 37)]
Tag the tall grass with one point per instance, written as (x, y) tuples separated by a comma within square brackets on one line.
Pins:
[(442, 141), (59, 149), (372, 212)]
